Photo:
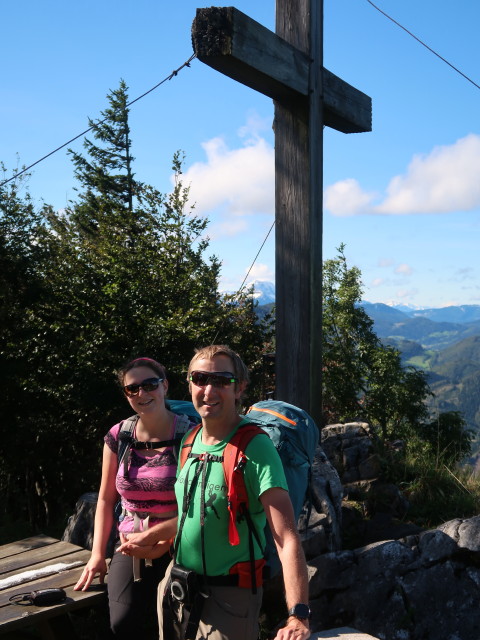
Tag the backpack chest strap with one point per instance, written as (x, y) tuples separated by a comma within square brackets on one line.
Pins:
[(138, 444)]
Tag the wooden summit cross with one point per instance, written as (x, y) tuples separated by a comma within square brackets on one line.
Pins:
[(288, 67)]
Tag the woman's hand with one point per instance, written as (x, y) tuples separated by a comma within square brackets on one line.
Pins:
[(141, 538), (96, 565), (129, 548)]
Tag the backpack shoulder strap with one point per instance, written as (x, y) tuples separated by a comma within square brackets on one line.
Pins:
[(125, 436), (234, 461), (188, 444)]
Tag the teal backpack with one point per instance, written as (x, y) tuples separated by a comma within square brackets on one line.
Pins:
[(295, 436)]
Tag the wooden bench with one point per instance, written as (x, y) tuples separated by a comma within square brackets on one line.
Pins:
[(31, 554)]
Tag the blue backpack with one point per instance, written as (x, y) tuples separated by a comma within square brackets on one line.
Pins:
[(295, 436)]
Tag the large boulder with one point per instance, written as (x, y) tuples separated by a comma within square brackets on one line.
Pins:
[(423, 587)]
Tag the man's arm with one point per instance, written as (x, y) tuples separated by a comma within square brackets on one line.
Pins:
[(159, 533), (279, 511), (145, 551)]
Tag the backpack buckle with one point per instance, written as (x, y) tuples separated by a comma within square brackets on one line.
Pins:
[(242, 461)]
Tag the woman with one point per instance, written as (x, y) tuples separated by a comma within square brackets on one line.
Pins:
[(144, 480)]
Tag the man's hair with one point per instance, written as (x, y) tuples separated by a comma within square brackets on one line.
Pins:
[(155, 366), (240, 370)]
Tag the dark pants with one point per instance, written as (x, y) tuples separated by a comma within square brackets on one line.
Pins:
[(133, 604)]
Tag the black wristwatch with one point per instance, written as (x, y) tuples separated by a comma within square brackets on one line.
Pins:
[(300, 611)]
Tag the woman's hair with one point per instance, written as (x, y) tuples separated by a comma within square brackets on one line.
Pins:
[(240, 370), (155, 366)]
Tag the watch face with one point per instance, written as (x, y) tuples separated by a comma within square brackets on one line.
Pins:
[(300, 611)]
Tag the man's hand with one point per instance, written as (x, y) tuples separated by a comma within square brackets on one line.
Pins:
[(129, 548), (141, 538), (294, 629)]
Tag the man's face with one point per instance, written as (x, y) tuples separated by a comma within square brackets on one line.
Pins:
[(213, 400)]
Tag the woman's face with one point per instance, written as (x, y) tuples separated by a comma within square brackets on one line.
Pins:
[(145, 401)]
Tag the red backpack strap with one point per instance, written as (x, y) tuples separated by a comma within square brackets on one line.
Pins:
[(234, 460), (188, 444)]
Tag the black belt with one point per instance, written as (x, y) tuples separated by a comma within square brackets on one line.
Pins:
[(230, 580), (220, 581)]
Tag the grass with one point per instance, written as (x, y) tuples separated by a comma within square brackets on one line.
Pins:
[(436, 489)]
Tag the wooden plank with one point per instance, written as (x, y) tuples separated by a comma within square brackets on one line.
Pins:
[(315, 150), (229, 41), (17, 616), (346, 108), (292, 227), (36, 553), (58, 579), (53, 552), (26, 544)]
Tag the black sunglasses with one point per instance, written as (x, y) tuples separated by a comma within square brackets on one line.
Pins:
[(150, 384), (216, 379)]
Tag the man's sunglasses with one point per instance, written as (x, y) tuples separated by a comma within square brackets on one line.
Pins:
[(150, 384), (216, 379)]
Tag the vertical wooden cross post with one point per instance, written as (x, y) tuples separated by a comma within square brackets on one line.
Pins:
[(288, 67)]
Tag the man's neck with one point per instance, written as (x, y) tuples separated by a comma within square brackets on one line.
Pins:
[(214, 431)]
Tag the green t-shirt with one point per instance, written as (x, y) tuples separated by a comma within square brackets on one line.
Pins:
[(263, 470)]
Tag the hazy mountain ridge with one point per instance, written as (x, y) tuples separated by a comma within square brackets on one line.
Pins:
[(460, 314), (447, 350), (390, 323)]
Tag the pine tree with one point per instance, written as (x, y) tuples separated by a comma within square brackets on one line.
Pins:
[(108, 186)]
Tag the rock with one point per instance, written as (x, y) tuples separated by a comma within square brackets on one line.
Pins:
[(345, 633), (466, 533), (423, 587), (325, 520), (349, 447)]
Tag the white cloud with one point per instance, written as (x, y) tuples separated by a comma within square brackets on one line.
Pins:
[(405, 294), (234, 183), (226, 228), (404, 270), (446, 180), (443, 181), (377, 282), (346, 198), (261, 271), (385, 262), (255, 125)]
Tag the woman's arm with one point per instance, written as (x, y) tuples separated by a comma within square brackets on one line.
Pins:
[(160, 534), (107, 498), (145, 551)]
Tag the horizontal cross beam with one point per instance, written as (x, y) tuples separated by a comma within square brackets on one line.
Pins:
[(229, 41)]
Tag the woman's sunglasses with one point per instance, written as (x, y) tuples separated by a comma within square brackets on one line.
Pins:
[(216, 379), (150, 384)]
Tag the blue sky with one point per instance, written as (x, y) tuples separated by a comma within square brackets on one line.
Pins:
[(405, 198)]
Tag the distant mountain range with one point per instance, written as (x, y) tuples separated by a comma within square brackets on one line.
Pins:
[(443, 342), (431, 328), (402, 321)]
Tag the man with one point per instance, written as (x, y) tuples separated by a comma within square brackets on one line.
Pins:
[(221, 608)]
